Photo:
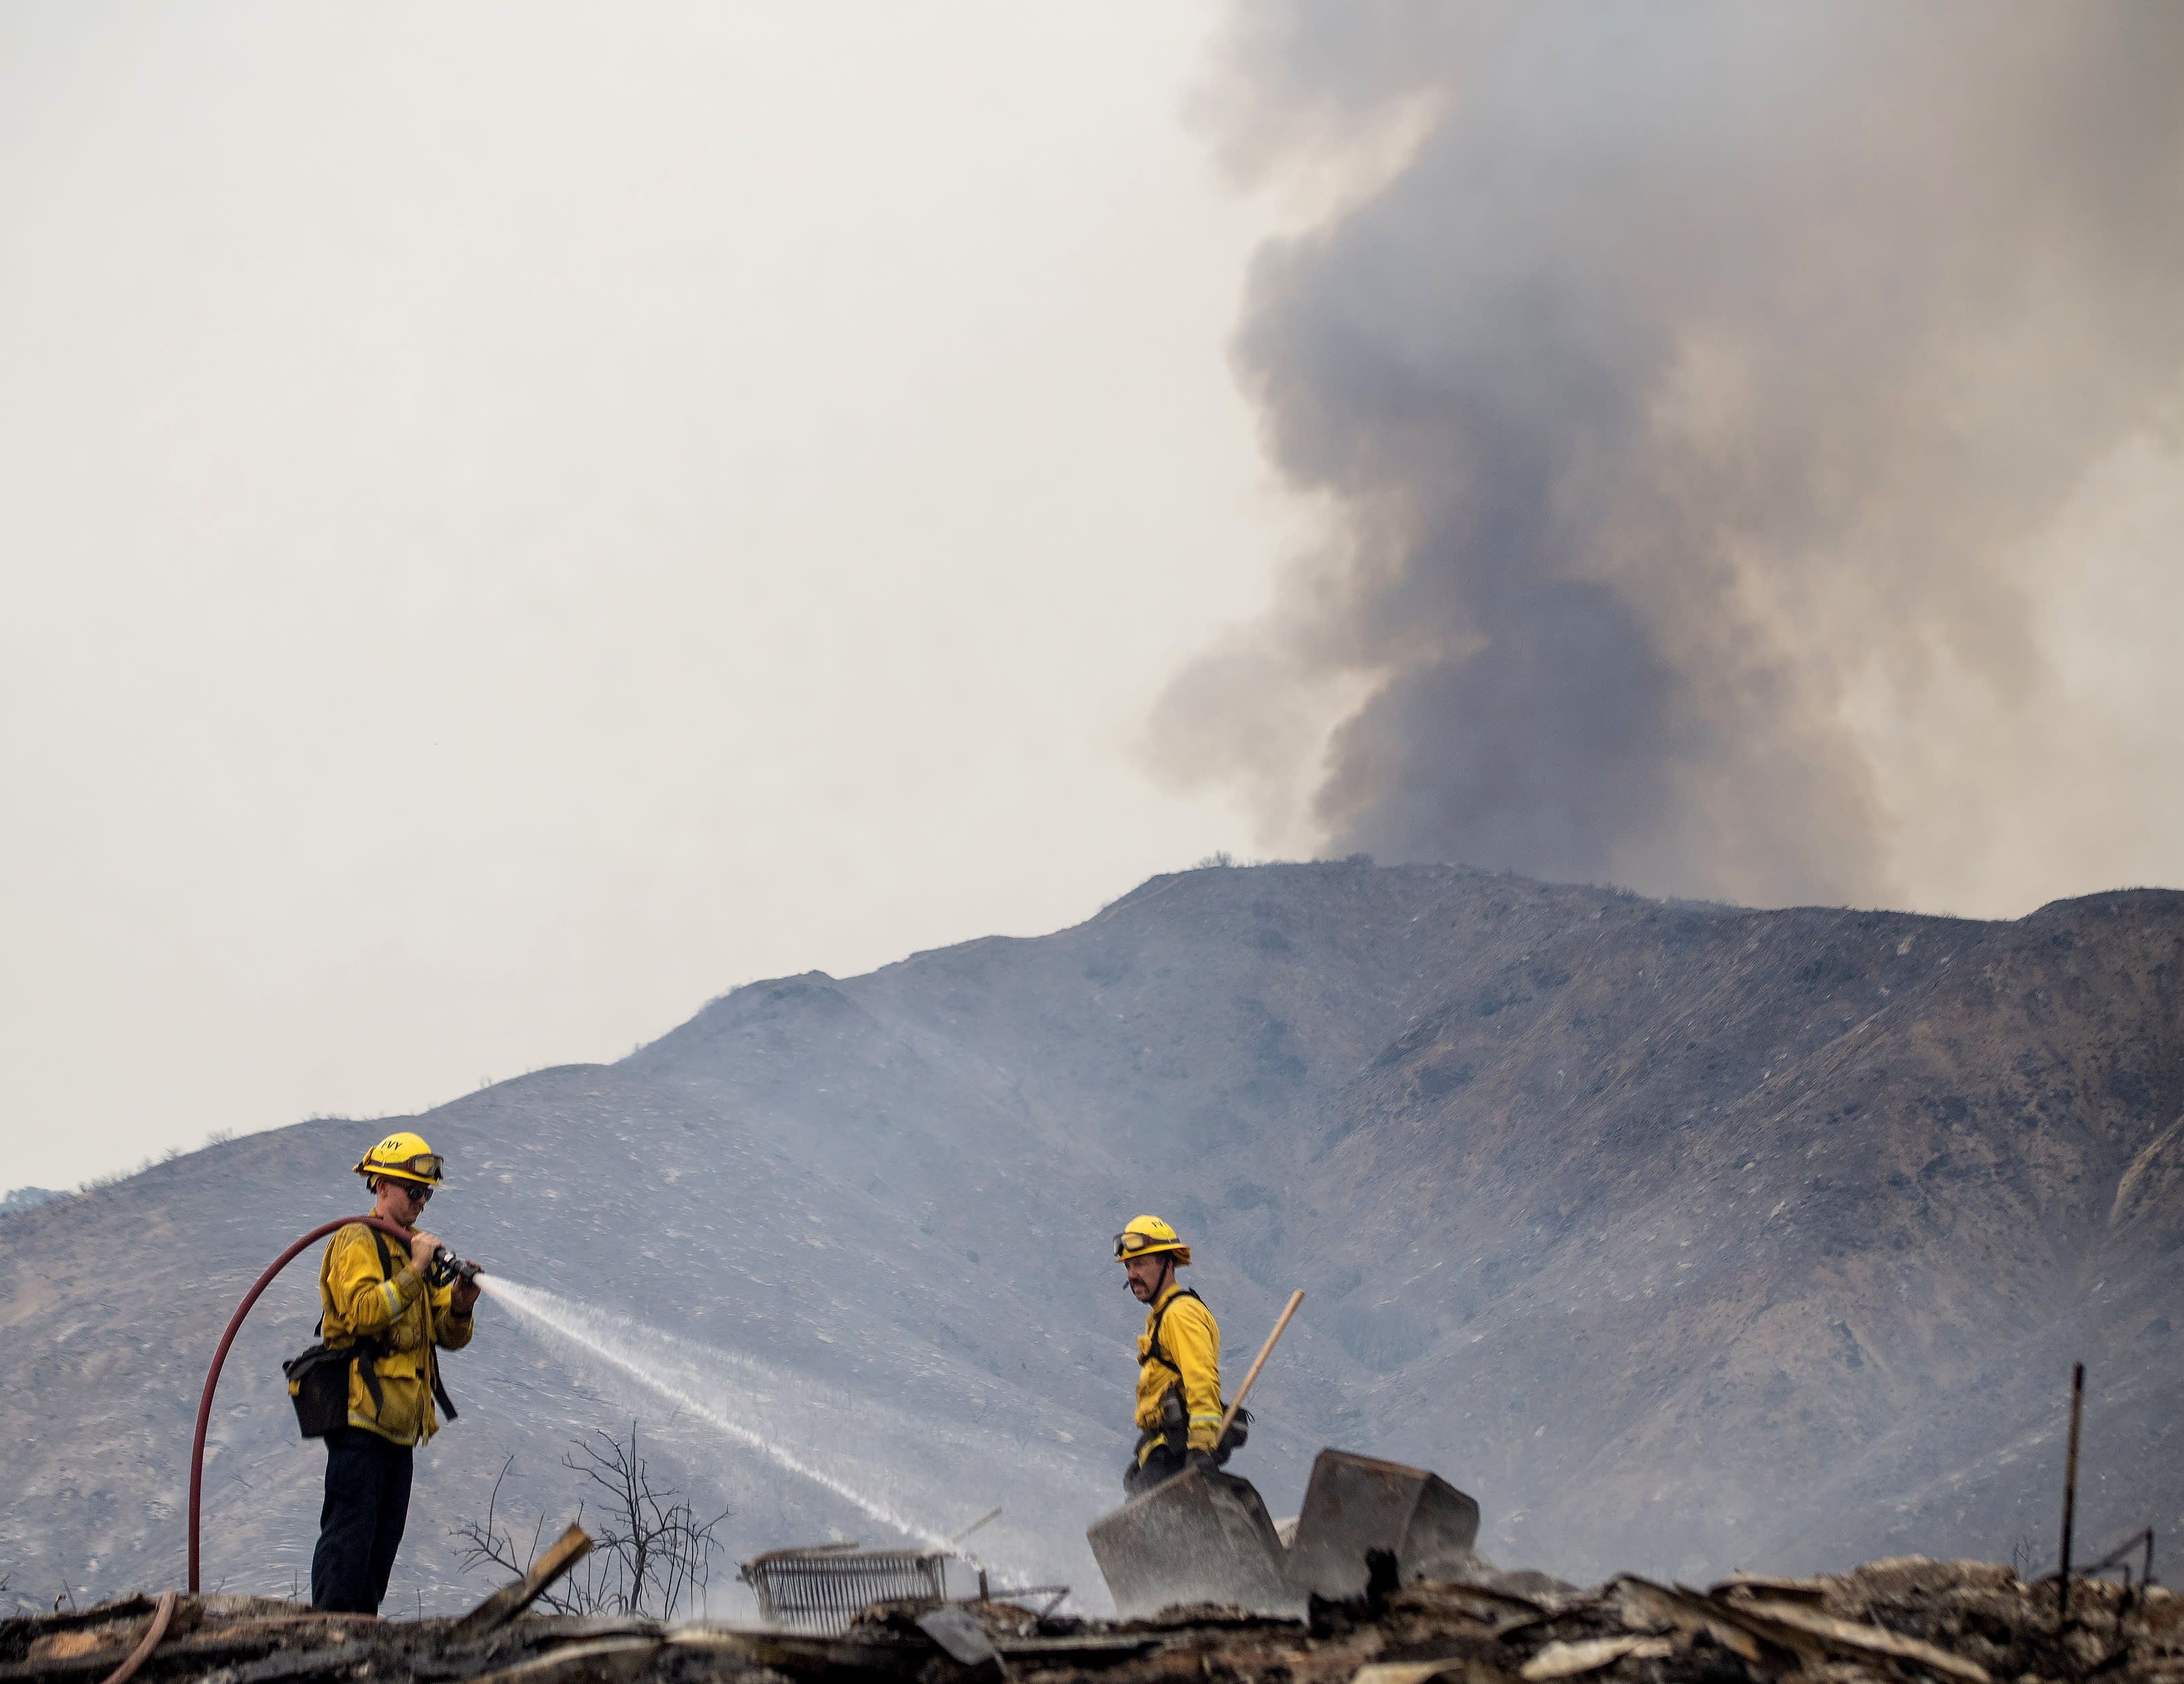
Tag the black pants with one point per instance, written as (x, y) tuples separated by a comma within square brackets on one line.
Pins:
[(360, 1524)]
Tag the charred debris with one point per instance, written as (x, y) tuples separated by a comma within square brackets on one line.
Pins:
[(1907, 1620)]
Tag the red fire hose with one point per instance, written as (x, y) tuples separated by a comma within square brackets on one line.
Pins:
[(220, 1356)]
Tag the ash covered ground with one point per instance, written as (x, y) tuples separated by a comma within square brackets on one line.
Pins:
[(1911, 1619)]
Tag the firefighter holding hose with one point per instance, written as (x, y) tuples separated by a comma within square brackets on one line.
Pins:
[(397, 1310), (1178, 1403)]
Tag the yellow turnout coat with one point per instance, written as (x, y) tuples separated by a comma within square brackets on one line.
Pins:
[(1190, 1342), (362, 1300)]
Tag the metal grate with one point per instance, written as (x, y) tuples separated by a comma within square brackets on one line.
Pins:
[(822, 1590)]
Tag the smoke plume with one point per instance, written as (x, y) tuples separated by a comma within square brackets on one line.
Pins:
[(1686, 394)]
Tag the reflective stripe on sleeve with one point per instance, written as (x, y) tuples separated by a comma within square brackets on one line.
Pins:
[(393, 1299)]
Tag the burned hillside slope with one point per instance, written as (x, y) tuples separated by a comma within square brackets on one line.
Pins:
[(1866, 1183), (1685, 1236)]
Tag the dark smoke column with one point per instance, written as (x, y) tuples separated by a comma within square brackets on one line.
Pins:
[(1677, 400)]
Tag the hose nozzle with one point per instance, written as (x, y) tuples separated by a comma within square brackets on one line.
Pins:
[(446, 1269)]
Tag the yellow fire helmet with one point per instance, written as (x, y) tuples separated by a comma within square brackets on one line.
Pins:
[(1145, 1235), (405, 1157)]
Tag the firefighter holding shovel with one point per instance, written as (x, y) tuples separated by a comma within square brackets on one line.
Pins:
[(1178, 1405), (1186, 1533)]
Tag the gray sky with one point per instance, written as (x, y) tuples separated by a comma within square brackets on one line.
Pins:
[(514, 519), (518, 518)]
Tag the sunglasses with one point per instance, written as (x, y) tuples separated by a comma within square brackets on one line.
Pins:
[(419, 1193)]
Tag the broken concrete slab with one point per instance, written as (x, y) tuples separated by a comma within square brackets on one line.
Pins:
[(1195, 1538), (1356, 1506)]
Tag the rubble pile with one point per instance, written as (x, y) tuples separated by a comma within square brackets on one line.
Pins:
[(1909, 1621)]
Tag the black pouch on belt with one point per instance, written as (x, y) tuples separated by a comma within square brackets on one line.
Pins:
[(1175, 1425), (317, 1384), (318, 1378)]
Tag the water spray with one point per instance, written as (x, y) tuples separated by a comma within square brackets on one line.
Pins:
[(544, 1310)]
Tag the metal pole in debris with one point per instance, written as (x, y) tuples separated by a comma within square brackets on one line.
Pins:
[(2069, 1491)]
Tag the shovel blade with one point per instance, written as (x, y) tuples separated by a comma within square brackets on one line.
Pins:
[(1358, 1504), (1193, 1539)]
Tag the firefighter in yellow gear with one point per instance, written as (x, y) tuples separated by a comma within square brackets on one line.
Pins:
[(374, 1293), (1178, 1403)]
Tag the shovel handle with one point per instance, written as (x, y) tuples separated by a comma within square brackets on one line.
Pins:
[(1264, 1351)]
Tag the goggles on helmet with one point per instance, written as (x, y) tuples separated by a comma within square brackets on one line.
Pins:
[(1130, 1243), (426, 1166)]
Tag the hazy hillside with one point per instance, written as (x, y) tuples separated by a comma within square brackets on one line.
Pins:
[(1684, 1237)]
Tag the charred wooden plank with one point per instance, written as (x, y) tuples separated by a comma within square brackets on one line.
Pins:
[(510, 1600)]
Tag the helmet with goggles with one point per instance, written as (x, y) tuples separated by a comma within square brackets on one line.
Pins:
[(1144, 1236), (403, 1158)]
